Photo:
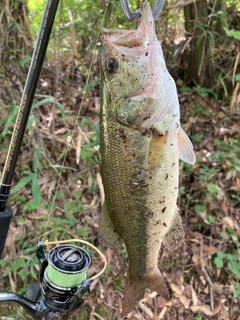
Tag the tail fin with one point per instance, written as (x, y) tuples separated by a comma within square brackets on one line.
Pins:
[(135, 289)]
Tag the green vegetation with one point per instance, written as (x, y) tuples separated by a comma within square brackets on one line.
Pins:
[(56, 192)]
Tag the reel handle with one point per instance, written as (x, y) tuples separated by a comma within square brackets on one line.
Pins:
[(33, 308)]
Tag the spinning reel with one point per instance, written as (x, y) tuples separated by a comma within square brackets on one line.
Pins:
[(63, 283)]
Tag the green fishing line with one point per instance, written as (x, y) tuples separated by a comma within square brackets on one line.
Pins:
[(65, 279)]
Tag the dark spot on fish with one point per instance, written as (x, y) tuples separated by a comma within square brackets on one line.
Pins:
[(173, 164), (123, 55), (175, 188), (164, 224), (171, 144), (157, 222), (164, 209), (150, 177), (146, 54), (150, 214), (146, 133), (166, 177), (147, 117), (177, 125), (160, 135)]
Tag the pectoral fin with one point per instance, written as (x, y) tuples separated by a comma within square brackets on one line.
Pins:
[(185, 146), (106, 234), (139, 110), (175, 235)]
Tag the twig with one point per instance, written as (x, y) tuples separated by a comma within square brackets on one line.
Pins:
[(178, 4), (209, 280), (98, 316)]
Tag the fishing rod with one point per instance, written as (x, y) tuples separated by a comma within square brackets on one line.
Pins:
[(63, 284)]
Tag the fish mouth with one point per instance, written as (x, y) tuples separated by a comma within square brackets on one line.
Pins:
[(142, 37)]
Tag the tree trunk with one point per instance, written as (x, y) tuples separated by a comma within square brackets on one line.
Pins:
[(199, 54), (15, 41)]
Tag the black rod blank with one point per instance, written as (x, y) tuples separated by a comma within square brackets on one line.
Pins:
[(22, 117), (26, 101)]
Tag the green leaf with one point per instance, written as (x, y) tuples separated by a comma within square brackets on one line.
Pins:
[(3, 263), (186, 89), (36, 159), (21, 184), (43, 101), (234, 266), (212, 187), (200, 208), (89, 86), (218, 262), (9, 120), (221, 254), (36, 191), (229, 256), (232, 33), (237, 77), (210, 218), (61, 109)]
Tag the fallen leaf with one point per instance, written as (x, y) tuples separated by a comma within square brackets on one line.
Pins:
[(206, 310), (194, 297), (209, 250), (224, 312)]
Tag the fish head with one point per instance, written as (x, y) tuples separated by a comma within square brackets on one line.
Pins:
[(134, 73)]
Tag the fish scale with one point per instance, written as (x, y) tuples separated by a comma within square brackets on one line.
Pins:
[(140, 144)]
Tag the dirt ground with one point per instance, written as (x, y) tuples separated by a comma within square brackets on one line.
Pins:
[(199, 289)]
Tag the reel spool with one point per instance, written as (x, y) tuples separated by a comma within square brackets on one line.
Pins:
[(65, 285)]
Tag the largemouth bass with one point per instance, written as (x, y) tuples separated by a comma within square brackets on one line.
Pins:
[(141, 143)]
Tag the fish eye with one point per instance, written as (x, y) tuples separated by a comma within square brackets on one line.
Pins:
[(111, 65)]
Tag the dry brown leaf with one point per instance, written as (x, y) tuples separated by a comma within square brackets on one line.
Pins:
[(184, 300), (196, 258), (162, 313), (100, 184), (228, 223), (224, 312), (146, 309), (194, 297), (206, 310), (209, 250), (175, 288)]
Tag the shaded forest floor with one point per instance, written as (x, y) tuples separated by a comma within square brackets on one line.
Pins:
[(204, 283)]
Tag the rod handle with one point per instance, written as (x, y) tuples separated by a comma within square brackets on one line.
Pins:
[(5, 219)]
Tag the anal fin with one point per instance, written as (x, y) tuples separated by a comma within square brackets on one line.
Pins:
[(106, 234), (175, 235)]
